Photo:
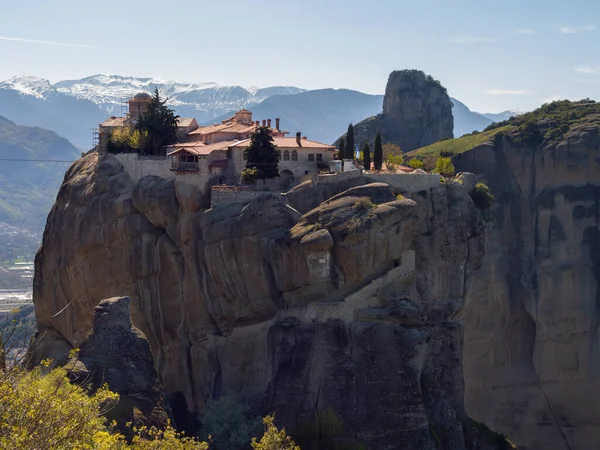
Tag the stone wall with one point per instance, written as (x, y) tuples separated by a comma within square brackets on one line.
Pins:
[(222, 195), (338, 177), (409, 182), (138, 167)]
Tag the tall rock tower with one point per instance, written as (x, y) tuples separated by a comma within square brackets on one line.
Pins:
[(417, 111)]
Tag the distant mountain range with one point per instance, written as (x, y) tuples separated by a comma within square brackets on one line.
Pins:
[(73, 107), (28, 183)]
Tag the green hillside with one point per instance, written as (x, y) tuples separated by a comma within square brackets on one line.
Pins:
[(543, 126), (28, 189)]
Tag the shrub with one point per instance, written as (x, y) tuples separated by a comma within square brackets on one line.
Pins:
[(249, 176), (446, 154), (444, 166), (229, 423), (482, 196), (273, 439), (416, 163), (48, 412), (392, 161), (168, 439)]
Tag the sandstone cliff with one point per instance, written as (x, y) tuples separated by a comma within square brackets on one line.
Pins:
[(353, 307), (531, 353), (417, 111)]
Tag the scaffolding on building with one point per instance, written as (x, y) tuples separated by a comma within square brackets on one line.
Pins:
[(95, 137), (124, 108)]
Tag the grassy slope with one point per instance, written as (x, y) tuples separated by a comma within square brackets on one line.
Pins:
[(458, 145), (544, 126)]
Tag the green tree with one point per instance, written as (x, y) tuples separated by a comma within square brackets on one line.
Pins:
[(366, 154), (159, 124), (444, 166), (262, 154), (229, 423), (342, 148), (416, 163), (349, 151), (482, 196), (378, 152)]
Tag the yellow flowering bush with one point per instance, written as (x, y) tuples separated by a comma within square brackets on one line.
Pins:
[(273, 439), (42, 412)]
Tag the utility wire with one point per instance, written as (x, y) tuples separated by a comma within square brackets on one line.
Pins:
[(37, 160)]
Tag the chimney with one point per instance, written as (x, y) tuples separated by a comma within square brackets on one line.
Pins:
[(299, 139), (277, 123), (264, 123), (258, 123), (269, 123)]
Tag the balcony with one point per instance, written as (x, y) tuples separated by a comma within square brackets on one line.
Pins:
[(184, 165)]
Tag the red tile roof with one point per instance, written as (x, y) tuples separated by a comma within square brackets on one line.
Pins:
[(185, 122), (291, 142), (114, 122), (198, 148)]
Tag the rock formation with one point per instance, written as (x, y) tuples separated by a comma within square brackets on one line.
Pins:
[(417, 111), (531, 355), (116, 354), (355, 307)]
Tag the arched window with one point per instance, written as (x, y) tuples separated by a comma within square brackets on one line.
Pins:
[(286, 155), (294, 155)]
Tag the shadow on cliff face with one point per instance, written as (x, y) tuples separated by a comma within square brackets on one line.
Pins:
[(531, 352), (354, 307)]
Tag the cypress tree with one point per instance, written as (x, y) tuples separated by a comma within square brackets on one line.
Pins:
[(342, 151), (366, 157), (378, 152), (349, 153)]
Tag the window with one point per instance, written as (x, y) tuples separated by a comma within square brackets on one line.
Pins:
[(311, 156), (319, 156), (245, 155), (294, 155), (286, 155)]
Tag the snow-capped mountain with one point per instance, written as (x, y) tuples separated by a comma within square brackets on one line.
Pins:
[(110, 91), (72, 108), (27, 85), (504, 115)]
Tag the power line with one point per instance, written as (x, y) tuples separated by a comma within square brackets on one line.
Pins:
[(37, 160)]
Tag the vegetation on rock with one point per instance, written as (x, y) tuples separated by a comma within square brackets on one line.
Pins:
[(444, 166), (543, 126), (273, 439), (229, 424), (415, 163), (482, 196), (158, 126), (262, 154)]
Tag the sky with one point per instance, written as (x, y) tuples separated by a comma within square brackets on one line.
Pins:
[(491, 55)]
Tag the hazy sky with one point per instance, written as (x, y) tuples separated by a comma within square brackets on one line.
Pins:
[(492, 55)]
